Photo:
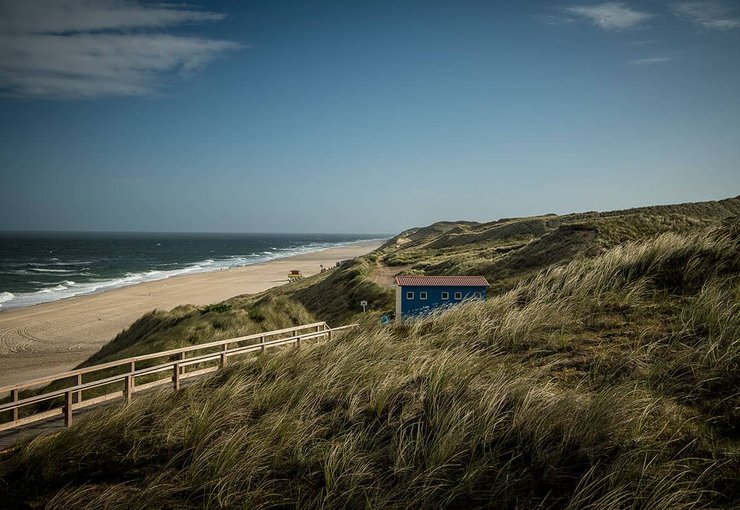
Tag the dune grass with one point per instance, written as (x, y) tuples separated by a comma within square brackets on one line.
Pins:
[(189, 325), (509, 251), (183, 326), (336, 297), (607, 383)]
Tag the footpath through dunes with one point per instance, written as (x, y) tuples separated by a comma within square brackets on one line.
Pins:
[(384, 275), (52, 337), (608, 382)]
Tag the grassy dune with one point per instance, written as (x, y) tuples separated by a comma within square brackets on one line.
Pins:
[(183, 326), (607, 382), (336, 298), (509, 251), (189, 325)]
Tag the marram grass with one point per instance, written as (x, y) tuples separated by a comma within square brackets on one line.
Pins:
[(608, 383)]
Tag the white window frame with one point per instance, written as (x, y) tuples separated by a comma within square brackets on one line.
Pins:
[(409, 295), (445, 296), (423, 296), (458, 296)]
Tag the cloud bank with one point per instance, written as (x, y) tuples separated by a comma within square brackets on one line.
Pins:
[(609, 15), (71, 49)]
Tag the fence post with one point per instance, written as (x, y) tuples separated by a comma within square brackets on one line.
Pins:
[(176, 377), (262, 341), (131, 381), (68, 396), (14, 398), (224, 350), (182, 358), (79, 393), (128, 387)]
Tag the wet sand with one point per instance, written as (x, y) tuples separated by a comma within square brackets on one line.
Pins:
[(53, 337)]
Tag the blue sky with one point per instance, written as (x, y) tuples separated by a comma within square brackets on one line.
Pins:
[(288, 116)]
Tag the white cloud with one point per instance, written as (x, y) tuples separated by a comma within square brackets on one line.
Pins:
[(609, 15), (708, 14), (97, 48), (651, 60)]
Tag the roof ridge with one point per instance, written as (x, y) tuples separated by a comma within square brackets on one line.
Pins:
[(453, 280)]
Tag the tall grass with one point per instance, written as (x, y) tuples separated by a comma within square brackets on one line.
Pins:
[(183, 326), (608, 383), (509, 251), (189, 325), (336, 298)]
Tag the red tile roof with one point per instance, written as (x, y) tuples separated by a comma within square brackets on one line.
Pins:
[(441, 281)]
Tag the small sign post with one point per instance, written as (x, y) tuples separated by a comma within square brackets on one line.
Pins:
[(363, 304)]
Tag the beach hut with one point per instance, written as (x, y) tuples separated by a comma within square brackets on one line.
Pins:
[(416, 295)]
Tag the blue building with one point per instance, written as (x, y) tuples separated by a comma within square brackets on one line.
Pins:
[(416, 295)]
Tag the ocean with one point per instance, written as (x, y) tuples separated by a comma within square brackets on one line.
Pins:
[(40, 267)]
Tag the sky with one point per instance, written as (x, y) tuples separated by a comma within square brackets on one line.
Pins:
[(361, 116)]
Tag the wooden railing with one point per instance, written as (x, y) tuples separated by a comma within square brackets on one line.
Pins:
[(70, 396)]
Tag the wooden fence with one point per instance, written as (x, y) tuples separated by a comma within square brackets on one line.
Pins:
[(183, 363)]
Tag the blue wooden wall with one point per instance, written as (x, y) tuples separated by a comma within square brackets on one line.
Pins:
[(434, 299)]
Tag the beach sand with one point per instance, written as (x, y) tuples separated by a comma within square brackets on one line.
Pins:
[(44, 339)]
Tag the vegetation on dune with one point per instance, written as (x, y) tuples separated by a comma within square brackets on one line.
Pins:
[(605, 383), (182, 326), (511, 250), (188, 325), (337, 297)]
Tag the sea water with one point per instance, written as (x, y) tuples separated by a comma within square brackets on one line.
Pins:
[(41, 267)]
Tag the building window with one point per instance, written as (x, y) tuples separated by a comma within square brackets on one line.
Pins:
[(409, 295), (422, 295), (445, 295), (458, 295)]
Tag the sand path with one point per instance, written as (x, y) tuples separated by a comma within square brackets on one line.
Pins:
[(385, 276), (53, 337)]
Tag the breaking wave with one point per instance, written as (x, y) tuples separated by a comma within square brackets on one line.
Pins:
[(54, 291)]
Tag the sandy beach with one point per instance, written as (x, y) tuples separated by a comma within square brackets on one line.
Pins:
[(53, 337)]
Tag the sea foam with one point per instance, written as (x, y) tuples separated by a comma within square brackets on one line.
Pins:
[(68, 288), (50, 270)]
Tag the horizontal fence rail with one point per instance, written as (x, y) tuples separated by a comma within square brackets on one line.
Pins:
[(88, 386)]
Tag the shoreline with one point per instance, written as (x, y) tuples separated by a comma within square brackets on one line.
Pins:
[(141, 277), (46, 338)]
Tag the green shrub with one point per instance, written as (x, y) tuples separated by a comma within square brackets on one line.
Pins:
[(216, 308)]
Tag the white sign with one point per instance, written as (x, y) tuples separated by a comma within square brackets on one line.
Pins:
[(363, 304)]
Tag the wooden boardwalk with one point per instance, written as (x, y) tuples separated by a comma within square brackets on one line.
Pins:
[(49, 404)]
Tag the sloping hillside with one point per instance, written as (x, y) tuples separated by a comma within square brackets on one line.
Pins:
[(190, 325), (510, 250), (605, 383)]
